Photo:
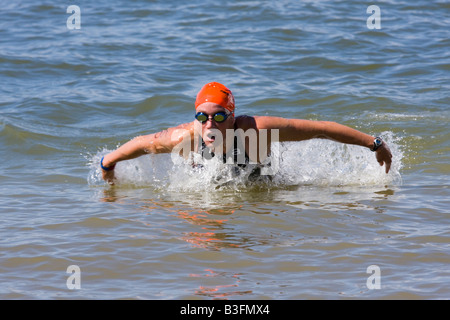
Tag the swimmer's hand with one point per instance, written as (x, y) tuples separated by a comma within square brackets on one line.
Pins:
[(384, 156), (107, 171), (108, 176)]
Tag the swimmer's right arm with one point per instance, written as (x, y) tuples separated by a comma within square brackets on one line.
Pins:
[(160, 142), (130, 150)]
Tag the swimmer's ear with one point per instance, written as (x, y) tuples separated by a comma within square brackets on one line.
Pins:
[(234, 119)]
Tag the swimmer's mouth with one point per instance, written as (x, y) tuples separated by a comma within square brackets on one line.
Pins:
[(210, 137)]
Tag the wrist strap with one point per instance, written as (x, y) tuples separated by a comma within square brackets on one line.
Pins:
[(106, 168)]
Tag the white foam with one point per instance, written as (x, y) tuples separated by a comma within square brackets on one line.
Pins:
[(313, 162)]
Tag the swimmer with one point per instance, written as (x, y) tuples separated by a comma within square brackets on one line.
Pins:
[(215, 119)]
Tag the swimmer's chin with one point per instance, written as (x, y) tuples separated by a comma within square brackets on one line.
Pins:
[(210, 144)]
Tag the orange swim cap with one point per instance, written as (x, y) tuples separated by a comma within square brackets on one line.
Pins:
[(217, 93)]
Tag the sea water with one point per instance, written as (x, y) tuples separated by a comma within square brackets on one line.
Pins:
[(329, 224)]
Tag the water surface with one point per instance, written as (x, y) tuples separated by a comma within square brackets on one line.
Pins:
[(164, 232)]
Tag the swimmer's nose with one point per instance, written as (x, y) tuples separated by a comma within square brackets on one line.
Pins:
[(210, 123)]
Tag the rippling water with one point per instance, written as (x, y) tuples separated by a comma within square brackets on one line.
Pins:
[(134, 67)]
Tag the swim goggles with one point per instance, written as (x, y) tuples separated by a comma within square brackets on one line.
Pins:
[(218, 117)]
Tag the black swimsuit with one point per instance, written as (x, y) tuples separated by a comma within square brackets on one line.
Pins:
[(237, 160)]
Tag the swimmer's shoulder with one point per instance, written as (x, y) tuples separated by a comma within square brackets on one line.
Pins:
[(245, 122), (259, 122)]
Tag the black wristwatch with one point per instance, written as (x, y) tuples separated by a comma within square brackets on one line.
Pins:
[(377, 143)]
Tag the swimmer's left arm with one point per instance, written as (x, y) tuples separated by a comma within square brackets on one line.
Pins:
[(298, 130)]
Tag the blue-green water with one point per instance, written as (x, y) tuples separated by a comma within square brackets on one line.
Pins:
[(134, 67)]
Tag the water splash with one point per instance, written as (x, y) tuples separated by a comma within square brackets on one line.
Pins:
[(328, 163), (313, 162)]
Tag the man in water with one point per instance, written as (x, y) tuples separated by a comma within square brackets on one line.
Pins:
[(214, 130)]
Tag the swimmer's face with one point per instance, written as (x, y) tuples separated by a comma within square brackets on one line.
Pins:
[(210, 129)]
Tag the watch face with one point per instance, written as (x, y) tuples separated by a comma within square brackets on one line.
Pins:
[(377, 143)]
